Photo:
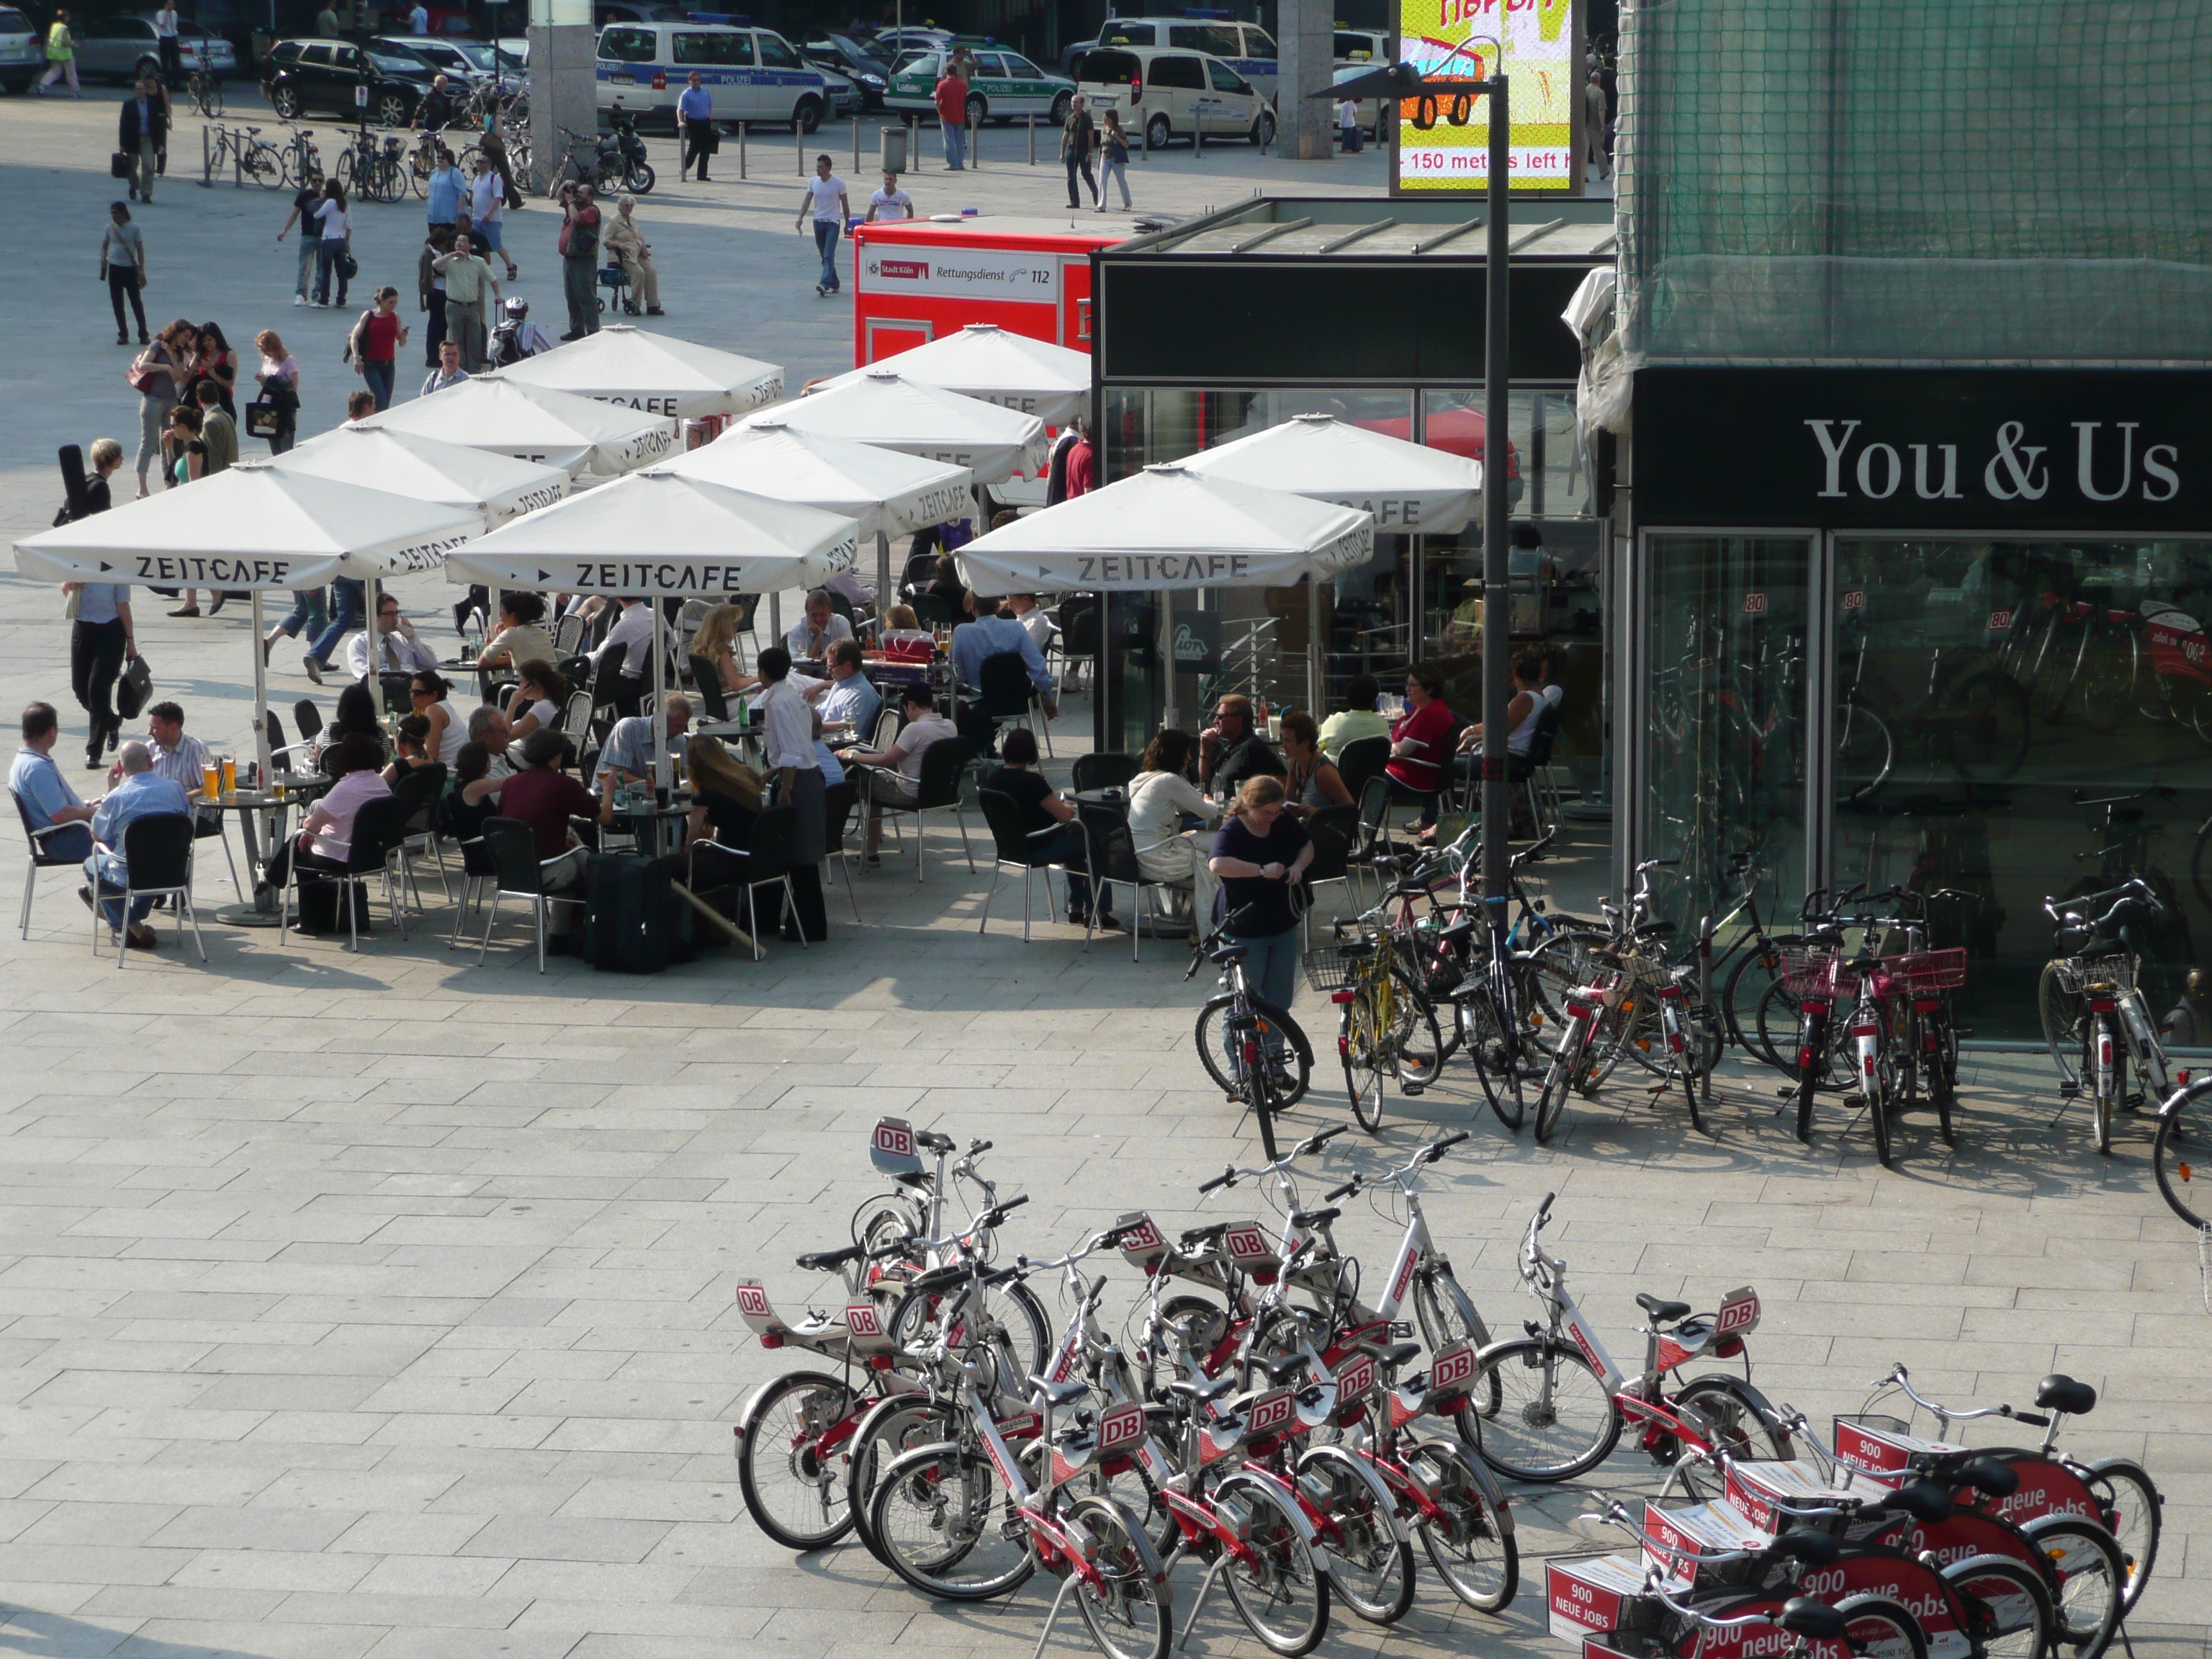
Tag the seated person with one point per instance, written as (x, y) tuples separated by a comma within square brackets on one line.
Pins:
[(945, 583), (1232, 749), (488, 727), (902, 617), (634, 744), (355, 718), (1310, 781), (413, 744), (1418, 742), (1026, 611), (397, 650), (1358, 719), (725, 792), (1043, 809), (521, 637), (1521, 713), (325, 841), (902, 783), (994, 633), (545, 797), (541, 692), (809, 639), (431, 696), (471, 793), (143, 793), (717, 642), (1159, 796), (46, 794), (847, 698)]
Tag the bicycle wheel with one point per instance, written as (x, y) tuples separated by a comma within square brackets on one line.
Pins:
[(942, 1515), (1481, 1563), (2014, 1600), (1496, 1067), (1941, 1054), (1553, 1419), (791, 1487), (2185, 1123), (2092, 1580), (262, 164), (890, 1429), (1416, 1043), (1447, 1314), (1743, 1426), (1224, 1064), (1551, 1099), (1877, 1097), (1276, 1589), (1879, 1628), (1753, 996), (1359, 1042), (1549, 975), (2133, 1513), (2064, 1016), (1013, 1325), (1128, 1613), (1370, 1562), (1865, 751)]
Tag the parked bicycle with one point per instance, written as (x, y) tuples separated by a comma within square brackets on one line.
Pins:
[(1254, 1050), (253, 156), (2092, 1010), (203, 88)]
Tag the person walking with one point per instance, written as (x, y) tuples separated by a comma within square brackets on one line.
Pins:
[(467, 278), (418, 20), (304, 203), (142, 133), (951, 98), (488, 213), (336, 248), (61, 55), (492, 145), (373, 348), (448, 371), (278, 377), (326, 20), (1078, 136), (102, 640), (157, 375), (219, 433), (826, 196), (694, 126), (438, 109), (122, 268), (579, 245), (444, 191), (430, 291), (165, 22), (890, 204), (1113, 161), (628, 244), (1594, 124)]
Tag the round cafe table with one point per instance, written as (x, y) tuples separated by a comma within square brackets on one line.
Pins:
[(258, 810)]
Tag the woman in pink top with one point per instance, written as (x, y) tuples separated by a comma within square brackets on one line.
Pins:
[(325, 841), (1420, 741)]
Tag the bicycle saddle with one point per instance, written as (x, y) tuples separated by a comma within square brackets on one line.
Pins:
[(1815, 1549), (1059, 1394), (930, 1141), (823, 1262), (1204, 1235), (1202, 1393), (1923, 1500), (938, 1279), (1662, 1310), (1830, 938), (1655, 930), (1459, 930), (1314, 1217), (1229, 953), (1282, 1371), (2061, 1393), (1816, 1621), (1392, 1354)]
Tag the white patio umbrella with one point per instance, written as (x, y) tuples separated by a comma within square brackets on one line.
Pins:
[(1407, 487), (556, 428), (623, 364), (881, 406), (887, 493), (1168, 529), (497, 486), (996, 366), (656, 533), (256, 526)]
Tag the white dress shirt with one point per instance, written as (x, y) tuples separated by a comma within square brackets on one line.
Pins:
[(400, 655), (633, 623), (787, 728)]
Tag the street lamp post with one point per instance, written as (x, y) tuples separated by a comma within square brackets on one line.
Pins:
[(1497, 568)]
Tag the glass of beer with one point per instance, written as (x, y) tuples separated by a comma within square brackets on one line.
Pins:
[(211, 780), (229, 775)]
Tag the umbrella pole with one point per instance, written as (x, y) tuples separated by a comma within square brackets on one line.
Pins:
[(1314, 667), (1167, 658), (883, 595), (267, 761), (660, 754)]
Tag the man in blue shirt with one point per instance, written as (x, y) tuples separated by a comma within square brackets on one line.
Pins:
[(992, 633), (850, 698), (445, 188), (143, 793), (634, 745), (46, 794), (694, 122)]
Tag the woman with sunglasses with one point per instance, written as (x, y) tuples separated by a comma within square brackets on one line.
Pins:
[(430, 695)]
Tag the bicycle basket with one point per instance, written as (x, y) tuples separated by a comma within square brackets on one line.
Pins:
[(1925, 972), (1337, 967), (2077, 973), (1817, 974)]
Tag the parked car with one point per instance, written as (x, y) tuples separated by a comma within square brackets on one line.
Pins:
[(462, 63), (1245, 47), (119, 48), (636, 11), (892, 45), (22, 52), (753, 74), (1005, 87), (840, 54), (1170, 95), (305, 77)]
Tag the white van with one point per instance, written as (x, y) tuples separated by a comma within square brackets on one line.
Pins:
[(1245, 47), (1162, 95), (753, 74)]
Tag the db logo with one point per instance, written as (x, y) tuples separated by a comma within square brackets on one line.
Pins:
[(860, 1318), (1248, 1243), (894, 1138), (1754, 604), (1740, 1312), (751, 1299), (1854, 599), (1270, 1411), (1355, 1380), (1122, 1425), (1454, 1366), (1144, 1236)]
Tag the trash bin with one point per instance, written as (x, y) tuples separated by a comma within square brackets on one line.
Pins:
[(894, 148)]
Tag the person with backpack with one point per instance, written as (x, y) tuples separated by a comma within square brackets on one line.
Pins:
[(579, 245), (373, 348)]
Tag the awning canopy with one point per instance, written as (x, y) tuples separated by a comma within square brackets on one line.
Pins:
[(657, 533), (497, 487), (989, 364), (1167, 528), (252, 526), (886, 491), (623, 364), (1406, 486), (556, 428), (881, 406)]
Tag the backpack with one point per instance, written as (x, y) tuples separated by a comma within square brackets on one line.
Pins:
[(639, 923), (359, 331)]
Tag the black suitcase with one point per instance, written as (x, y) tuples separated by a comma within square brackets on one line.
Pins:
[(640, 923)]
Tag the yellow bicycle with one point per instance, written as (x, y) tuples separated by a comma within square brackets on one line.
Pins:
[(1385, 1025)]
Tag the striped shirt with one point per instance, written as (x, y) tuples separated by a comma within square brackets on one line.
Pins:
[(186, 764)]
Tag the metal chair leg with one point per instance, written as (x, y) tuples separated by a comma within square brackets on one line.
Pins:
[(988, 898), (791, 902), (31, 886), (227, 858), (538, 910), (491, 915), (193, 917)]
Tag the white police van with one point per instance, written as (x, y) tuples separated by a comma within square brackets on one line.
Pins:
[(752, 74), (1246, 47)]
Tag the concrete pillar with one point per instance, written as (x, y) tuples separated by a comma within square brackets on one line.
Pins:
[(1305, 45), (563, 82)]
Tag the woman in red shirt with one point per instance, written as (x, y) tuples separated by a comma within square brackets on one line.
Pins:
[(1420, 741), (375, 344)]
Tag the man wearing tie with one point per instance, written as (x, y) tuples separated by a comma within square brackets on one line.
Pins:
[(397, 650)]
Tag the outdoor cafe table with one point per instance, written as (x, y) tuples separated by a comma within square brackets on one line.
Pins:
[(651, 822), (258, 808)]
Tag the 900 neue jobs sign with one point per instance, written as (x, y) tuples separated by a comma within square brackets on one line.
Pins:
[(1442, 146)]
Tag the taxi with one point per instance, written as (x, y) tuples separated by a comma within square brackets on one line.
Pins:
[(1004, 87)]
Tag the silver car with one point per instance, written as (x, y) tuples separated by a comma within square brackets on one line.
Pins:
[(22, 55), (119, 48)]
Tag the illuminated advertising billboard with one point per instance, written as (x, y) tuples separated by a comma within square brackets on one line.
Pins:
[(1442, 141)]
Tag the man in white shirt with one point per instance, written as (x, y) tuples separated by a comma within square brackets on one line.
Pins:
[(418, 20), (1031, 616), (397, 651), (902, 782), (488, 211), (889, 204), (810, 638), (826, 196), (633, 634)]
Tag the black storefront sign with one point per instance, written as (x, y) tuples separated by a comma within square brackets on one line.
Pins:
[(2074, 450)]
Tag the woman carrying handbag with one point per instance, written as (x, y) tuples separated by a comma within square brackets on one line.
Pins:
[(122, 268)]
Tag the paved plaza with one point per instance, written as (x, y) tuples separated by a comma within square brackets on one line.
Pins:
[(381, 1304)]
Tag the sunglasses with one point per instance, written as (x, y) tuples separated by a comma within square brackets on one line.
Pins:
[(419, 691)]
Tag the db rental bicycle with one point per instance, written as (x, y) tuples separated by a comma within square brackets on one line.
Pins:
[(2092, 1011)]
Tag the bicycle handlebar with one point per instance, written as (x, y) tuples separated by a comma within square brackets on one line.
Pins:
[(1312, 1143), (1205, 946), (1898, 1377), (1428, 1154)]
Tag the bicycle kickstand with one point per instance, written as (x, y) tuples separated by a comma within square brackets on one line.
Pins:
[(1204, 1589), (1067, 1584)]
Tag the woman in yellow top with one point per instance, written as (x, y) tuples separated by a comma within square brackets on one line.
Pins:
[(61, 55)]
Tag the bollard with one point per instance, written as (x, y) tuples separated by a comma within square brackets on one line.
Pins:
[(1145, 141), (856, 143), (1198, 132), (1032, 137), (1705, 994), (207, 163), (799, 147), (975, 161), (237, 161), (741, 149)]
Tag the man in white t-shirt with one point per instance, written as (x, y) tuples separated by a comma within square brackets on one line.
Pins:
[(891, 204), (418, 20), (899, 779), (832, 207)]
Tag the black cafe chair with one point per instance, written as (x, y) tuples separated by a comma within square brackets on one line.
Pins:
[(938, 788), (378, 828), (707, 683), (764, 861), (1008, 694), (1361, 759), (157, 860), (1015, 848), (1109, 852), (1332, 830), (1104, 768), (838, 803), (40, 858), (519, 872)]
